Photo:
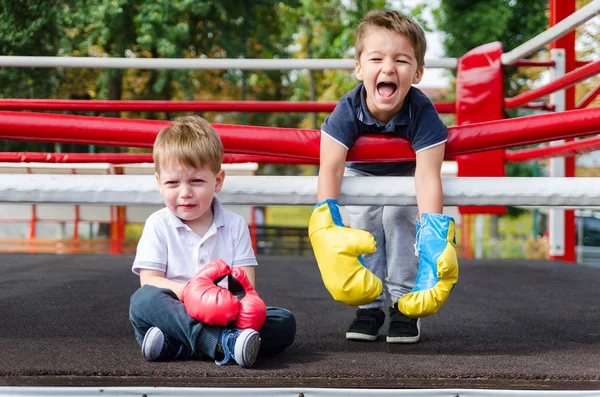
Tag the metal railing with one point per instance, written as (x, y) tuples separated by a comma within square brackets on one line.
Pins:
[(283, 240), (589, 256)]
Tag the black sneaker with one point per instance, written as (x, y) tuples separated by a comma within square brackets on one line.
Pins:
[(366, 325), (403, 329), (159, 346)]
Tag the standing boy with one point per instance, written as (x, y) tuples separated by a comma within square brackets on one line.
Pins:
[(390, 56), (181, 239)]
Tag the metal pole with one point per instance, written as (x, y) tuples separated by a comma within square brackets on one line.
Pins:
[(555, 32), (556, 165)]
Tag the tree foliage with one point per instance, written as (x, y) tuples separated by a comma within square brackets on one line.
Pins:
[(468, 24), (29, 27), (471, 23)]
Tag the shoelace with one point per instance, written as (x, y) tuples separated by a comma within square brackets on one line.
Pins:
[(416, 244), (227, 355)]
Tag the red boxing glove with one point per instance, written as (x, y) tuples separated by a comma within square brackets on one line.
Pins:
[(207, 302), (252, 311)]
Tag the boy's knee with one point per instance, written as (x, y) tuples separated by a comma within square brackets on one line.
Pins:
[(279, 331), (143, 299), (290, 324), (286, 322)]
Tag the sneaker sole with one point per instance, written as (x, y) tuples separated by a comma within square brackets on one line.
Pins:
[(406, 339), (246, 348), (360, 337), (153, 343)]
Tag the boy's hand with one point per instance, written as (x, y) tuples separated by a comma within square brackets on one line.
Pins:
[(252, 311), (337, 250), (207, 302), (212, 304), (438, 266)]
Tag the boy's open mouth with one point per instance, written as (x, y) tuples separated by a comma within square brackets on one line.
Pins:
[(386, 89)]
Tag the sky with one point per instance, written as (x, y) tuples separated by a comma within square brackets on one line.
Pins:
[(434, 77)]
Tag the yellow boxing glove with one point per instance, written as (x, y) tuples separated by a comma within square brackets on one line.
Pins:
[(337, 250), (438, 266)]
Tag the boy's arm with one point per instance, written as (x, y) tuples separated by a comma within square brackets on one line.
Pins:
[(250, 273), (338, 249), (428, 180), (331, 169), (158, 279), (435, 243)]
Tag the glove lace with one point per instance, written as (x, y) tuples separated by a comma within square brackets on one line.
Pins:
[(416, 244)]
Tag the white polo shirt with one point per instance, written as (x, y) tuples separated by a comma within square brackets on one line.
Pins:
[(170, 246)]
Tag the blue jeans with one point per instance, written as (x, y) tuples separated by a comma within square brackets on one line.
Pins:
[(159, 307)]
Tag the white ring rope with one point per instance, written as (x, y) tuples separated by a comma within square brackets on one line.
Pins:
[(574, 20), (302, 190), (195, 63)]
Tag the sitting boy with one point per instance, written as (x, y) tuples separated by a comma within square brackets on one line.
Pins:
[(179, 240)]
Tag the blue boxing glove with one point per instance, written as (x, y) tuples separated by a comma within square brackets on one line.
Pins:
[(438, 266)]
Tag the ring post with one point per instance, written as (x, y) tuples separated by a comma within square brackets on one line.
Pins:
[(561, 223), (479, 98)]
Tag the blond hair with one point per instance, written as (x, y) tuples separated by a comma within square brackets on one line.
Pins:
[(395, 22), (190, 141)]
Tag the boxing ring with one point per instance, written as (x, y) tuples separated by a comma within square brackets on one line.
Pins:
[(510, 328), (498, 335)]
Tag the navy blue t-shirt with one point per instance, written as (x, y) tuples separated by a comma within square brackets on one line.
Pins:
[(417, 121)]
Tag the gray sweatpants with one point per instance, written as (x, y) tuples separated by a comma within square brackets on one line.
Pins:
[(393, 228)]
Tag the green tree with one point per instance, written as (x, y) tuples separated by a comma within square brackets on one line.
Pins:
[(470, 23), (29, 27)]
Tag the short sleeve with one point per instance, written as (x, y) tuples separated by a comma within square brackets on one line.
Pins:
[(151, 250), (341, 125), (428, 128), (242, 244)]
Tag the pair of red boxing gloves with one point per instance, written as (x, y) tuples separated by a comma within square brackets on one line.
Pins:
[(239, 304)]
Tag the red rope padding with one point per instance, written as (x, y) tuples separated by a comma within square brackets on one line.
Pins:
[(131, 158), (565, 81), (589, 98), (300, 143), (568, 149), (179, 106), (69, 158), (163, 106)]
